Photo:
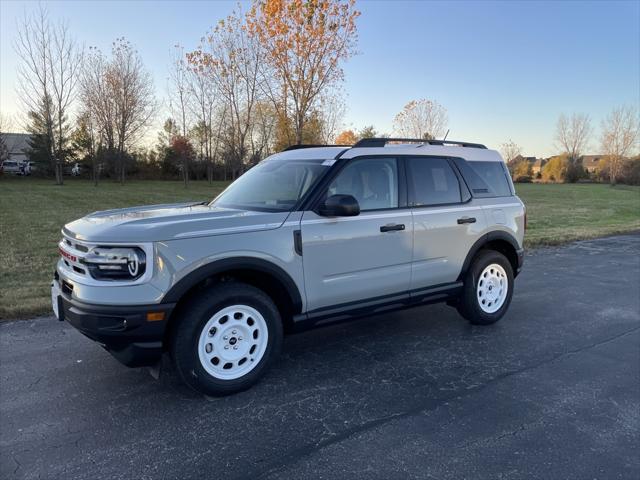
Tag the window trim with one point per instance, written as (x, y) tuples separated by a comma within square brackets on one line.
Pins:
[(462, 186), (316, 197)]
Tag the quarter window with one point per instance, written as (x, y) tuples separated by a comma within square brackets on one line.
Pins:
[(485, 179), (433, 182), (373, 182)]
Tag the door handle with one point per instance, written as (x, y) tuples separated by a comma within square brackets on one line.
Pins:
[(392, 227), (464, 220)]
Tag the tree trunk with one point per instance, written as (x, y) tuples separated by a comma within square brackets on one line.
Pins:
[(59, 172), (185, 172), (299, 127), (121, 165)]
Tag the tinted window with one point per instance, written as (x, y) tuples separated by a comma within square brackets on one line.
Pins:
[(373, 182), (433, 182), (485, 179)]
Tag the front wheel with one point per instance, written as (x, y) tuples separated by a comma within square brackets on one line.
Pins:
[(226, 338), (488, 288)]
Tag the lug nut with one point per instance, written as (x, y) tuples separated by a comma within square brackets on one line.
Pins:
[(234, 332), (225, 338), (235, 348), (226, 347)]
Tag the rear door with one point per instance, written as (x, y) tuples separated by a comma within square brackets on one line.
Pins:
[(350, 259), (446, 221)]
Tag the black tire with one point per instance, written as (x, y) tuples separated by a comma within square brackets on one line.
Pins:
[(194, 316), (468, 304)]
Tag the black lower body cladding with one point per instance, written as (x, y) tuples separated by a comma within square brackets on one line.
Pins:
[(123, 331)]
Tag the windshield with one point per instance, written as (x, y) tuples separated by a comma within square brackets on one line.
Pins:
[(272, 185)]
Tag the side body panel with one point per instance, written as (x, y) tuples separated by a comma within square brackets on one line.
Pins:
[(441, 244), (175, 259), (505, 214), (349, 259)]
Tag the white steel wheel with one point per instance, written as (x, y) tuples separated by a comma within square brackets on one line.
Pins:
[(492, 289), (233, 342)]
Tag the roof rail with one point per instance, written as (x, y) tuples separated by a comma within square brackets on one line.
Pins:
[(381, 142), (299, 146)]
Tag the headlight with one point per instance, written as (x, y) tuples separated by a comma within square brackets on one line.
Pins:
[(115, 263)]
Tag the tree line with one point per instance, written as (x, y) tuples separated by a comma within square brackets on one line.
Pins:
[(618, 138), (258, 81)]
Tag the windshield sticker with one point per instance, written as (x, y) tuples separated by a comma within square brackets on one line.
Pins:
[(328, 163)]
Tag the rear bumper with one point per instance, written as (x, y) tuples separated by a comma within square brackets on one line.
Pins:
[(123, 331)]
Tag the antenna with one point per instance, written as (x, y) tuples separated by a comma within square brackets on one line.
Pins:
[(446, 135)]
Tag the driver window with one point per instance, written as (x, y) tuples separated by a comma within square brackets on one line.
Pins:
[(373, 182)]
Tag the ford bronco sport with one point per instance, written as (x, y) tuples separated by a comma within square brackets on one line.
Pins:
[(306, 237)]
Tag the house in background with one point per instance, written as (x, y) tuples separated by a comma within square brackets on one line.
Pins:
[(535, 163), (591, 163), (17, 146), (536, 166)]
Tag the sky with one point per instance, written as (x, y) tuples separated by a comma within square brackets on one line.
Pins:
[(503, 70)]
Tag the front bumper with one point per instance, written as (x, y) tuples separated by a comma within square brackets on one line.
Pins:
[(124, 331)]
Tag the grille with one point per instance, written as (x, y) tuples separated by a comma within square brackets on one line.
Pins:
[(71, 253), (76, 245)]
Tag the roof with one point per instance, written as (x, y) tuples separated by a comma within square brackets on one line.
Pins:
[(16, 142), (326, 153), (591, 160)]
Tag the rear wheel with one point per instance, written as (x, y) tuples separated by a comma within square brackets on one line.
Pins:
[(488, 288), (226, 338)]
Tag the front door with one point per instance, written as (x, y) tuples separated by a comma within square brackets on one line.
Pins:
[(368, 256)]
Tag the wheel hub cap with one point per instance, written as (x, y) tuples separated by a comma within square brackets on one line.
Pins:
[(232, 342), (492, 289)]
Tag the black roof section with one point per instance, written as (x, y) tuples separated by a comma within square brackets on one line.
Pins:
[(381, 142)]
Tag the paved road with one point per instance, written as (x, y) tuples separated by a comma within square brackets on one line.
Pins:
[(552, 391)]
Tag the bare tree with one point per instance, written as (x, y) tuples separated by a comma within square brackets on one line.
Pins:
[(332, 110), (421, 119), (207, 110), (179, 88), (573, 134), (179, 100), (133, 97), (119, 93), (231, 58), (510, 150), (50, 62), (619, 135)]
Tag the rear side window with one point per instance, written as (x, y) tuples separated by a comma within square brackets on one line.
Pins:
[(485, 179), (432, 182)]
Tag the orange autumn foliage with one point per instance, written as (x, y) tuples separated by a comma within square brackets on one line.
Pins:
[(347, 137), (304, 42)]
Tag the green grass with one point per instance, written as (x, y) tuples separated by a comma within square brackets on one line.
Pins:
[(32, 211), (559, 213)]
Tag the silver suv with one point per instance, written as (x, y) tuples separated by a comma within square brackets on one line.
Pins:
[(306, 237)]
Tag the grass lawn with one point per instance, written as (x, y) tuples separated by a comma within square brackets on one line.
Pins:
[(32, 211), (559, 213)]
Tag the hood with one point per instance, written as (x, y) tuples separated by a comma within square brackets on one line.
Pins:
[(169, 222)]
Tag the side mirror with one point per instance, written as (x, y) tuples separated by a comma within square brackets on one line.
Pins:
[(339, 206)]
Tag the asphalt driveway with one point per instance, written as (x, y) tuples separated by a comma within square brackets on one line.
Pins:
[(552, 391)]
